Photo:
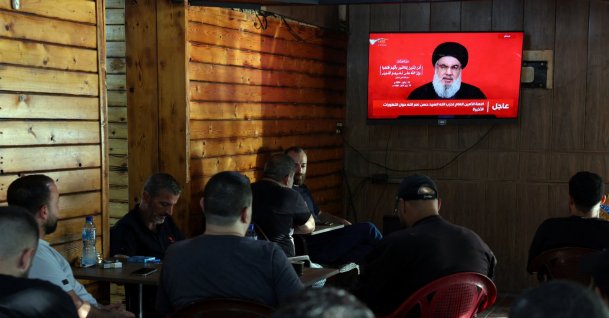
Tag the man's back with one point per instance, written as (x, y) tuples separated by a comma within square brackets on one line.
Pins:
[(34, 298), (407, 260), (277, 210), (211, 266), (572, 231)]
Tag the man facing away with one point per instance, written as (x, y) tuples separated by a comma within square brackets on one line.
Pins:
[(277, 209), (222, 263), (19, 296), (430, 248), (349, 244), (449, 59), (39, 195), (148, 229), (583, 228)]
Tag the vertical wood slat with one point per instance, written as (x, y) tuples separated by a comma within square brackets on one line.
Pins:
[(103, 105), (142, 93)]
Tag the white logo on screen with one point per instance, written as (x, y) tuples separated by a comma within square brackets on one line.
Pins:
[(372, 41), (499, 106)]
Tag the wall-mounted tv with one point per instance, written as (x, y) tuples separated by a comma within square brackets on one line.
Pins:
[(440, 78)]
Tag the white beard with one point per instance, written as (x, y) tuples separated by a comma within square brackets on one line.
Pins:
[(446, 91)]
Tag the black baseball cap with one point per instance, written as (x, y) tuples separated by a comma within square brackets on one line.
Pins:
[(410, 187)]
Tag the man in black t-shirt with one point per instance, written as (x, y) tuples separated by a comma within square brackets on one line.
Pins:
[(277, 209), (19, 296)]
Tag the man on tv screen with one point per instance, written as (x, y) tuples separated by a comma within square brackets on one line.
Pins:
[(449, 59)]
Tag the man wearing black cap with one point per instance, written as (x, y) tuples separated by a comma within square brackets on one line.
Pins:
[(583, 228), (449, 59), (430, 248)]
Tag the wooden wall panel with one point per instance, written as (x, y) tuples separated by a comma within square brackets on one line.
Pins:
[(517, 174), (255, 91), (53, 109)]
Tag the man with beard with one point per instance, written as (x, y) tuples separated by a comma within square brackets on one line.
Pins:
[(449, 59), (20, 296), (38, 194), (349, 244)]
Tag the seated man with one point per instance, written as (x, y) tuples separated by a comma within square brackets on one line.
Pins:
[(39, 196), (583, 228), (19, 296), (349, 244), (332, 302), (222, 263), (148, 230), (428, 249), (277, 209)]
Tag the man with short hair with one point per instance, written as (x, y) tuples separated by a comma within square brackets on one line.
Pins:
[(148, 229), (428, 249), (583, 228), (449, 59), (19, 296), (277, 209), (349, 244), (39, 195), (222, 263), (327, 302)]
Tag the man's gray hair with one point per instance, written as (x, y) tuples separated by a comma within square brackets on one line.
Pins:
[(161, 181)]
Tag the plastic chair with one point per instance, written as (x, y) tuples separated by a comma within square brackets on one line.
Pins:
[(561, 263), (224, 308), (460, 295)]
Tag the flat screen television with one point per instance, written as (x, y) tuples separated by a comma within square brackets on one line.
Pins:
[(441, 78)]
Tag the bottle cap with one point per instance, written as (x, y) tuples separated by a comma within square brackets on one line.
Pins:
[(89, 218)]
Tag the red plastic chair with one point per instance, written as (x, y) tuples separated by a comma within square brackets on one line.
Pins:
[(224, 308), (561, 263), (458, 295)]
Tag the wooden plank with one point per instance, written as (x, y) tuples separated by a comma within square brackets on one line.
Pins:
[(47, 56), (116, 65), (259, 94), (274, 27), (72, 10), (118, 146), (116, 49), (228, 56), (237, 39), (27, 27), (34, 106), (116, 82), (596, 134), (115, 32), (19, 133), (445, 16), (476, 15), (119, 177), (414, 17), (71, 251), (117, 98), (142, 96), (570, 86), (118, 209), (117, 114), (17, 160), (248, 111), (69, 230), (67, 181), (118, 163), (258, 128), (119, 194), (249, 145), (23, 79), (117, 130), (240, 75), (76, 205), (334, 180), (115, 16)]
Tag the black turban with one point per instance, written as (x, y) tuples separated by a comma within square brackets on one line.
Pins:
[(453, 49)]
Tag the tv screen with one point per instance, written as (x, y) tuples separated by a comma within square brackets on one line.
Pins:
[(440, 78)]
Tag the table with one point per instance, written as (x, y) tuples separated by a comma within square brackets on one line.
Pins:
[(123, 276), (323, 228)]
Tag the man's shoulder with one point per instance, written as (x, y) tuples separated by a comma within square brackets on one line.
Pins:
[(424, 91)]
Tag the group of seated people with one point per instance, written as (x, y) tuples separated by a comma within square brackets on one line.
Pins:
[(222, 263)]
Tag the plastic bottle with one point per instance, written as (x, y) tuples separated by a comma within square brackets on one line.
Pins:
[(251, 233), (605, 208), (89, 255)]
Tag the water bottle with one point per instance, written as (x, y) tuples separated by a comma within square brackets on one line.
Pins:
[(605, 208), (89, 255), (251, 233)]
